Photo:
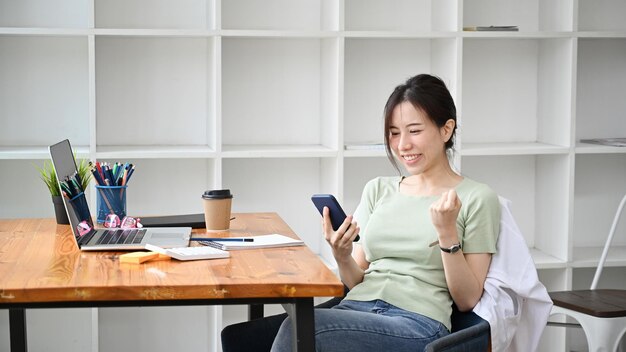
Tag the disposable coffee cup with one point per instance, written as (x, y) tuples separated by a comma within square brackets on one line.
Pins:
[(217, 204)]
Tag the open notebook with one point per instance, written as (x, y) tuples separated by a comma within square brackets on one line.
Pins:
[(263, 241)]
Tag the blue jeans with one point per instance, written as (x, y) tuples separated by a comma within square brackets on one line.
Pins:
[(366, 326)]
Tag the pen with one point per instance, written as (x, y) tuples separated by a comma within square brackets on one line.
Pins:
[(99, 168), (110, 175), (130, 172), (222, 239), (124, 177), (97, 177)]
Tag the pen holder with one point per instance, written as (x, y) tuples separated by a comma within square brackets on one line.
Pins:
[(111, 200), (79, 204)]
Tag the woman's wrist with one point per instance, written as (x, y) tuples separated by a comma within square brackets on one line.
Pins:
[(448, 242), (448, 238), (343, 260)]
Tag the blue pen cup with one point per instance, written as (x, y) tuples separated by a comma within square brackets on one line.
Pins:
[(111, 200), (81, 209)]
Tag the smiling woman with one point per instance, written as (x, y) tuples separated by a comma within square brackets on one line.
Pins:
[(402, 287)]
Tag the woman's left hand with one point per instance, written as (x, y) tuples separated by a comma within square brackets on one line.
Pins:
[(443, 214)]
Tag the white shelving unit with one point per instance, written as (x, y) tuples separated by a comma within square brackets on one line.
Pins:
[(262, 96)]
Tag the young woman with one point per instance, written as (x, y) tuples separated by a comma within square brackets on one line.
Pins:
[(426, 239)]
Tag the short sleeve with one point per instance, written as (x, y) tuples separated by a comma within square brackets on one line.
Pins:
[(366, 206), (480, 220)]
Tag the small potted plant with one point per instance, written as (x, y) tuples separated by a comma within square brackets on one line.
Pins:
[(49, 177)]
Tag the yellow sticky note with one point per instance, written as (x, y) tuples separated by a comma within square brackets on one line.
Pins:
[(160, 257), (137, 257)]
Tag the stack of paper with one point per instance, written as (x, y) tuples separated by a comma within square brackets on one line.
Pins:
[(613, 142), (491, 28)]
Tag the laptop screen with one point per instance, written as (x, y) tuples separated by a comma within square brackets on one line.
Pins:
[(73, 195)]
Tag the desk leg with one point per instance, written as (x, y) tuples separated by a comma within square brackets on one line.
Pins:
[(302, 316), (17, 329), (255, 311)]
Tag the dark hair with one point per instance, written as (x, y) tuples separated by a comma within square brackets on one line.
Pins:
[(427, 93)]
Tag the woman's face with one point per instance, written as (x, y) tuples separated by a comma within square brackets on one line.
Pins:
[(416, 141)]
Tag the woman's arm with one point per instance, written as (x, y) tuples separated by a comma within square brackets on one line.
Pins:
[(351, 265), (465, 276), (465, 273)]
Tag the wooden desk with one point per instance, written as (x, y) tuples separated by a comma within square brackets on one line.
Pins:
[(41, 267)]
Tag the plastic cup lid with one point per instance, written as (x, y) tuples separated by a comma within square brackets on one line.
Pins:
[(217, 194)]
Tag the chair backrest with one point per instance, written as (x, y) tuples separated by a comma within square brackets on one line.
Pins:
[(469, 333), (463, 320), (607, 245)]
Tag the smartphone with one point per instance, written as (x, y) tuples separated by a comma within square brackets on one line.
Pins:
[(337, 215)]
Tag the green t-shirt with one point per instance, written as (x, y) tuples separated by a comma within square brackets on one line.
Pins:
[(396, 230)]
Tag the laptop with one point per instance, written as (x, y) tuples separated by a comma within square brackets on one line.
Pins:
[(88, 238)]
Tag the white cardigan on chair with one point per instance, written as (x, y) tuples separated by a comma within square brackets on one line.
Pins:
[(514, 301)]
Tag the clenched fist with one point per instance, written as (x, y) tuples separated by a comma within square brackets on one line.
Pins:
[(443, 214)]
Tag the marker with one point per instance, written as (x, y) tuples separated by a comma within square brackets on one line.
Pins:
[(222, 239)]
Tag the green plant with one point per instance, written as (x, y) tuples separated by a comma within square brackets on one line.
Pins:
[(49, 177)]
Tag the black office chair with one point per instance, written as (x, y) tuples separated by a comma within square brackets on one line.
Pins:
[(470, 333), (258, 335)]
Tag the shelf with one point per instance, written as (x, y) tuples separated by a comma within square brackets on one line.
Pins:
[(365, 153), (398, 34), (7, 153), (512, 148), (153, 152), (70, 32), (588, 148), (277, 151), (546, 261), (251, 33), (515, 35), (265, 33), (597, 34), (588, 257), (154, 32)]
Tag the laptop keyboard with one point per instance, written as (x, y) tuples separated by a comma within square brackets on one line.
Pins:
[(122, 236)]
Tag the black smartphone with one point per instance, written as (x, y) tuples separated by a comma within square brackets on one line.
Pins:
[(337, 215)]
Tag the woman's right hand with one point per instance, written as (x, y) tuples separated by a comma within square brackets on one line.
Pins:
[(341, 240)]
